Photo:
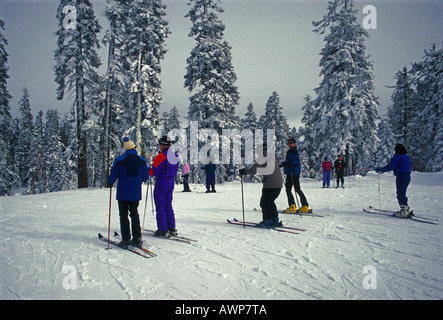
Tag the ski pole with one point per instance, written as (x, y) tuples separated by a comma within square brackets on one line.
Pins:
[(242, 201), (146, 204), (109, 221), (379, 197)]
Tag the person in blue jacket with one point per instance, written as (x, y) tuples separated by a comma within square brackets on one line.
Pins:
[(131, 170), (401, 164), (210, 169), (292, 169)]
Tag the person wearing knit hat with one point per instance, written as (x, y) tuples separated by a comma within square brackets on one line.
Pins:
[(128, 144), (327, 167), (131, 170), (165, 171)]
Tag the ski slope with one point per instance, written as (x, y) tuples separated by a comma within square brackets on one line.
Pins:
[(50, 250)]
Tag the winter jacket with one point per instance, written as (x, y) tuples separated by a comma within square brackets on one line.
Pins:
[(399, 163), (271, 181), (339, 166), (209, 168), (131, 170), (186, 169), (165, 169), (326, 166), (292, 163)]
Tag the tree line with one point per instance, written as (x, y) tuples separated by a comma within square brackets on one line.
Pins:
[(58, 152)]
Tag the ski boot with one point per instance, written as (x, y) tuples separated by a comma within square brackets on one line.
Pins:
[(292, 209)]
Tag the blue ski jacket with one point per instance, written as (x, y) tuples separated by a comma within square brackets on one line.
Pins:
[(131, 170), (292, 163), (399, 163)]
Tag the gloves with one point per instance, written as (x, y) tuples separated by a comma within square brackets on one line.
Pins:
[(109, 185), (378, 170), (242, 172)]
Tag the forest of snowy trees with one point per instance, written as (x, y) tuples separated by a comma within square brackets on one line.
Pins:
[(53, 152)]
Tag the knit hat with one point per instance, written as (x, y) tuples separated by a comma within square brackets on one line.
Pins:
[(128, 144), (164, 141)]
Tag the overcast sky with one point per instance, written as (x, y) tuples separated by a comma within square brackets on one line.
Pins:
[(273, 48)]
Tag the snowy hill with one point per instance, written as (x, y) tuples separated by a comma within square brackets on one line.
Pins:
[(50, 250)]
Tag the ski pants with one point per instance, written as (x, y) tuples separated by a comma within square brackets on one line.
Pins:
[(294, 181), (163, 207), (267, 203), (129, 208), (402, 183), (326, 178), (210, 181), (340, 177)]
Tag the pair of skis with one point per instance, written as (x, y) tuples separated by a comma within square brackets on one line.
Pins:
[(143, 252), (391, 213), (279, 228), (298, 213)]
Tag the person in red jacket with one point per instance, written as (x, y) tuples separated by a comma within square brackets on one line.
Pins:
[(326, 166)]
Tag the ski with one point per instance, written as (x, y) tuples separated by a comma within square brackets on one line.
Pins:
[(143, 252), (392, 214), (173, 238), (284, 227), (298, 213), (255, 225), (117, 235)]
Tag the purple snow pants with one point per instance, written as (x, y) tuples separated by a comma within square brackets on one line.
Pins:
[(163, 204)]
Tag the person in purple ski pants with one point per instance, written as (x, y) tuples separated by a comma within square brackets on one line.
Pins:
[(164, 168)]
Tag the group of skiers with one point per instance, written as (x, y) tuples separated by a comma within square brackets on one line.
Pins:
[(131, 170)]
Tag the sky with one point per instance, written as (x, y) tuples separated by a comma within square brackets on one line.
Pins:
[(273, 45)]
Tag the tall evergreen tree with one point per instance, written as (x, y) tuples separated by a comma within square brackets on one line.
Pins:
[(37, 171), (145, 48), (76, 63), (428, 76), (209, 69), (273, 118), (346, 104), (116, 95), (9, 178), (386, 143), (23, 156)]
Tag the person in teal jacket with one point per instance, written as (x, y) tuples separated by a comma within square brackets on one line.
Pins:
[(401, 164)]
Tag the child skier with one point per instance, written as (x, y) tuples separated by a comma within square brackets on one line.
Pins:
[(340, 169), (401, 164)]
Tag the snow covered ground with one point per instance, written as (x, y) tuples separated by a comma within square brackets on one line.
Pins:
[(50, 250)]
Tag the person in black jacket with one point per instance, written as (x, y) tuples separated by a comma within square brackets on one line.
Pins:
[(340, 170)]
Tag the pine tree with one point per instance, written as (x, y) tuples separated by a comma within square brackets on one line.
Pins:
[(274, 119), (9, 178), (307, 149), (209, 70), (116, 95), (76, 63), (145, 48), (23, 156), (428, 76), (386, 143), (346, 104), (37, 171)]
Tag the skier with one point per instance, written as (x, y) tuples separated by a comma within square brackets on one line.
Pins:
[(164, 168), (272, 185), (210, 176), (292, 169), (185, 172), (131, 170), (340, 169), (326, 166), (401, 164)]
